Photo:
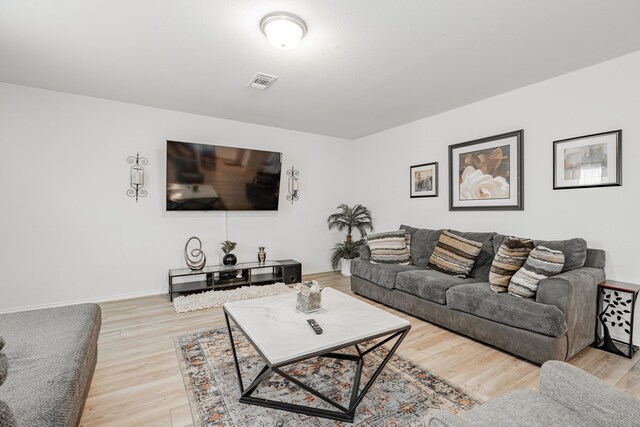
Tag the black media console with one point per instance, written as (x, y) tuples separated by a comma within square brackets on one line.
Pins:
[(226, 277)]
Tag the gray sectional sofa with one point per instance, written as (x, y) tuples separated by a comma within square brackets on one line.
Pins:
[(51, 356), (568, 397), (555, 325)]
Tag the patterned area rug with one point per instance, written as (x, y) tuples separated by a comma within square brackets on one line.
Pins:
[(183, 304), (403, 395)]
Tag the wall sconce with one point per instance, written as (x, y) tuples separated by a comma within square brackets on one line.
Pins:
[(136, 176), (294, 184)]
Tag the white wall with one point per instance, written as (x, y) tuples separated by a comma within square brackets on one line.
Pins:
[(69, 232), (596, 99)]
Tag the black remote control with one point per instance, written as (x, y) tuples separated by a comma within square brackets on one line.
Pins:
[(316, 328)]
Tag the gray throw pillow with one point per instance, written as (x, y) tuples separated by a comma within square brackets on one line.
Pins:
[(541, 264), (423, 242), (574, 250)]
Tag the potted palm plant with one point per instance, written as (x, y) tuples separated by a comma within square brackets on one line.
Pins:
[(348, 219)]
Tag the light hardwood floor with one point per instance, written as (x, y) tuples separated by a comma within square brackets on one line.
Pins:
[(137, 381)]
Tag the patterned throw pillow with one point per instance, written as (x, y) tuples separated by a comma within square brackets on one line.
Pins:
[(389, 248), (541, 264), (454, 255), (511, 256)]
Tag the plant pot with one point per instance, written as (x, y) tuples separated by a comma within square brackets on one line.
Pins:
[(345, 267), (229, 259)]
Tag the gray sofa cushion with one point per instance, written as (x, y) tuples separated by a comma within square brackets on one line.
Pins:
[(568, 397), (574, 250), (365, 253), (592, 398), (381, 274), (498, 240), (523, 313), (481, 268), (423, 242), (521, 408), (51, 356), (596, 258), (431, 285), (6, 416)]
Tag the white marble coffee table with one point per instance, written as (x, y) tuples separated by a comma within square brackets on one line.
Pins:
[(282, 336)]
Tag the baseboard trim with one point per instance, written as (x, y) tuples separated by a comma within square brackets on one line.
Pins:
[(106, 298)]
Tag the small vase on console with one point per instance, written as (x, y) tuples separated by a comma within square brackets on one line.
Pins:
[(262, 255)]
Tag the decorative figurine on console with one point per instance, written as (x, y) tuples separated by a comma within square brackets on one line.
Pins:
[(194, 255)]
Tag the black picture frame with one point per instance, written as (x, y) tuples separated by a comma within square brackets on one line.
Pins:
[(613, 140), (515, 142), (413, 192)]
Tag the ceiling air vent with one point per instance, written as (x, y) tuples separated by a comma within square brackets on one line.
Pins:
[(262, 81)]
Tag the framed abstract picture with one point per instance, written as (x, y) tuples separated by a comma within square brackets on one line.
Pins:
[(424, 180), (487, 174), (588, 161)]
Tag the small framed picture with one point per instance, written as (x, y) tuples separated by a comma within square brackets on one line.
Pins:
[(424, 180), (487, 174), (588, 161)]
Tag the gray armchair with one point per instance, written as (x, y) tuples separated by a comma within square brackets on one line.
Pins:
[(568, 396)]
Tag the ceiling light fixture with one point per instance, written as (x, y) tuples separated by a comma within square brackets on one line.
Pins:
[(283, 30)]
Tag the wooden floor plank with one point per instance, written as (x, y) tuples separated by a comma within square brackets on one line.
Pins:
[(631, 381), (610, 367), (138, 381)]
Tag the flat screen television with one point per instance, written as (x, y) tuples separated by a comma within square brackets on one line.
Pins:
[(203, 177)]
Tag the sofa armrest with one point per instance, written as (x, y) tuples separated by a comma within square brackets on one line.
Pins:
[(365, 253), (447, 419), (591, 397), (574, 292)]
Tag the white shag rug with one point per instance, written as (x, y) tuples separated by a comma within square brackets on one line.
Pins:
[(210, 299)]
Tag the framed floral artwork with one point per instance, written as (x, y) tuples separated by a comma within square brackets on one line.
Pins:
[(424, 180), (488, 173), (588, 161)]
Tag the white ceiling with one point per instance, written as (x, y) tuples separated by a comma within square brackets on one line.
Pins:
[(364, 65)]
